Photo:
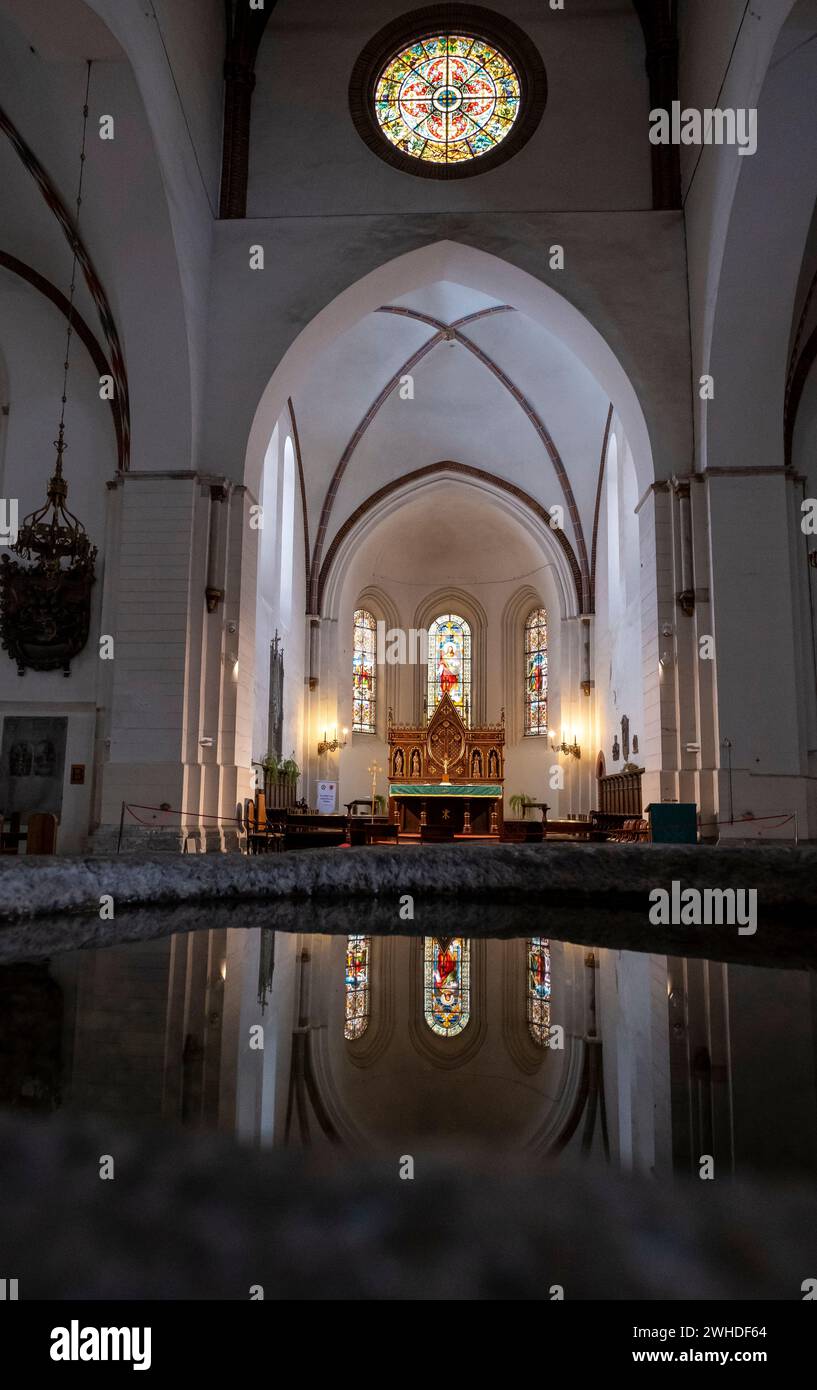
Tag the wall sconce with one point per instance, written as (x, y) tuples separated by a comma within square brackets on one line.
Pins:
[(570, 750), (332, 745), (667, 655)]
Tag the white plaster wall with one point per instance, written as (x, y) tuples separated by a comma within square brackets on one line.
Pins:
[(618, 625), (124, 223), (635, 1033), (307, 156)]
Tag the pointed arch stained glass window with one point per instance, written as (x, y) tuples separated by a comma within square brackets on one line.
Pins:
[(449, 663), (539, 989), (536, 672), (447, 984), (358, 960), (364, 674), (447, 98)]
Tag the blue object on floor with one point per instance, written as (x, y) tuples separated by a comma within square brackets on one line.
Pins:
[(673, 822)]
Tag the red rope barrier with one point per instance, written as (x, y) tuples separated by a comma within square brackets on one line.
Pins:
[(169, 811)]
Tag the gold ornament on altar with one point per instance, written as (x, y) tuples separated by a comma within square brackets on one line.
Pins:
[(447, 748)]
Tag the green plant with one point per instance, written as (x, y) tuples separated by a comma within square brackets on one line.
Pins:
[(289, 767), (522, 802), (280, 767), (380, 804)]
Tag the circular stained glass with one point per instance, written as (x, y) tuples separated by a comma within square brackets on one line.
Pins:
[(447, 99)]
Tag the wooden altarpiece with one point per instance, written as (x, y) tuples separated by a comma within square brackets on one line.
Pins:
[(447, 774)]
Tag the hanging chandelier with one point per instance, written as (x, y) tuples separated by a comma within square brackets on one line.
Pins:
[(45, 607)]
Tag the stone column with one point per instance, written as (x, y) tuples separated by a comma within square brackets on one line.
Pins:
[(181, 688), (659, 749)]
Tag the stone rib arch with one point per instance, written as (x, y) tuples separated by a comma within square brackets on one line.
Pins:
[(450, 333), (514, 500), (465, 265)]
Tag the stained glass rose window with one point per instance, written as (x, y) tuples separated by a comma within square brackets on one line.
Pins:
[(447, 99)]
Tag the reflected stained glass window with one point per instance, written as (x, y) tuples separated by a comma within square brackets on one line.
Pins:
[(447, 984), (539, 989), (364, 674), (447, 98), (358, 964), (536, 672), (449, 663)]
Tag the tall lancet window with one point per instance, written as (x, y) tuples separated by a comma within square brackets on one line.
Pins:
[(539, 989), (447, 984), (536, 672), (358, 1001), (364, 674), (449, 664)]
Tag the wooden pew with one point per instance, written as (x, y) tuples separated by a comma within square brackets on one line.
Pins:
[(305, 830)]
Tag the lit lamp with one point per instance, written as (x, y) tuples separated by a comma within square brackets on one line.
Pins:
[(570, 750), (332, 745)]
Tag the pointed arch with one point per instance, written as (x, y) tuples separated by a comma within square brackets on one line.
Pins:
[(502, 281)]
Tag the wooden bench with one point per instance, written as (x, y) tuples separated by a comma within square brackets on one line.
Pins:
[(523, 832), (578, 829), (633, 831), (617, 827), (308, 830)]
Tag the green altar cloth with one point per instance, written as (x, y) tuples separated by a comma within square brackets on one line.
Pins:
[(472, 789)]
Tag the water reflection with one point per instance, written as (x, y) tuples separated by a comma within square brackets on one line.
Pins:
[(644, 1062)]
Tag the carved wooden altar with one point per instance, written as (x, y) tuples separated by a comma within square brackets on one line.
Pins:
[(446, 749), (449, 764)]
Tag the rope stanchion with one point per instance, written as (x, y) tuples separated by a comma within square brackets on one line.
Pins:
[(131, 807)]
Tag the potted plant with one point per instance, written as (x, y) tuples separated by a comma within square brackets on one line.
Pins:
[(280, 780), (522, 802)]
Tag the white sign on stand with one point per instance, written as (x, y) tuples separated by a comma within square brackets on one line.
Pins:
[(327, 797)]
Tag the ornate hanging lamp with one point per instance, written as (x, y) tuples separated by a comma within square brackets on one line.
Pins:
[(45, 607)]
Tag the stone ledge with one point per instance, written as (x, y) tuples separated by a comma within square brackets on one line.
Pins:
[(590, 895), (611, 876)]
